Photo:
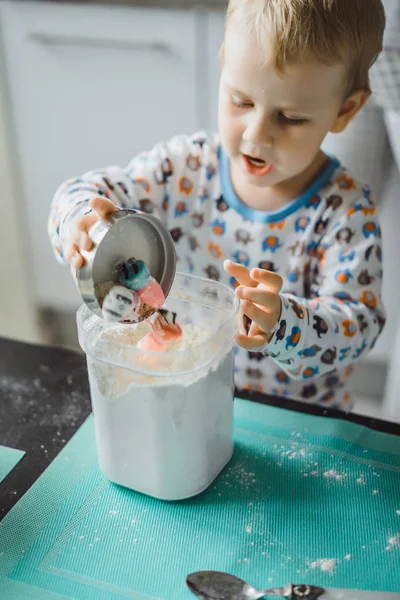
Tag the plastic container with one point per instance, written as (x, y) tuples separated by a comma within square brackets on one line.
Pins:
[(164, 421)]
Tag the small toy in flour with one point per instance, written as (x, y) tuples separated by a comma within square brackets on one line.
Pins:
[(134, 274), (165, 325), (164, 329), (138, 296), (121, 304)]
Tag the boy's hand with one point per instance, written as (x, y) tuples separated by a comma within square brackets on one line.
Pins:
[(260, 301), (78, 238)]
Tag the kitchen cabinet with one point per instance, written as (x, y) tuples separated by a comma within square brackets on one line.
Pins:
[(88, 86), (91, 85), (215, 33)]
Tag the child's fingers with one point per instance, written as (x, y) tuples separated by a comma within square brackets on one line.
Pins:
[(258, 295), (263, 319), (271, 280), (252, 343), (85, 243), (239, 272), (102, 206), (87, 221), (254, 330), (73, 257)]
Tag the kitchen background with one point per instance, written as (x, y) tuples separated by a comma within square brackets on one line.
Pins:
[(88, 84)]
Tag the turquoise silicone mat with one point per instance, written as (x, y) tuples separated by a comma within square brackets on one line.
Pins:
[(9, 458), (299, 490)]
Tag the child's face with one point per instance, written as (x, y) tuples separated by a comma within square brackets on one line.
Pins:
[(278, 118)]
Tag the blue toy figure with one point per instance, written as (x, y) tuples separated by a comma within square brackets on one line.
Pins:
[(133, 274)]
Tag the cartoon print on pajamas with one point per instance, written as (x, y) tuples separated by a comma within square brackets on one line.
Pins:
[(271, 243), (212, 272), (221, 204), (163, 171), (218, 227), (370, 229), (293, 339), (242, 258), (181, 209), (243, 236), (176, 234), (327, 249), (310, 352), (301, 224)]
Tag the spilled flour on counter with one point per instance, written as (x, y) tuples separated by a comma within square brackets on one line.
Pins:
[(325, 564), (332, 474), (393, 542)]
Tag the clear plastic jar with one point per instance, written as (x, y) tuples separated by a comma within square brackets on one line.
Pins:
[(164, 421)]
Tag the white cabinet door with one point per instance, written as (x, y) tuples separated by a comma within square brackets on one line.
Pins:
[(88, 86), (215, 34)]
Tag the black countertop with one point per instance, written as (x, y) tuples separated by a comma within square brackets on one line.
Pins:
[(44, 398)]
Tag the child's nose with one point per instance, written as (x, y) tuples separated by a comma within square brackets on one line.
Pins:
[(260, 131)]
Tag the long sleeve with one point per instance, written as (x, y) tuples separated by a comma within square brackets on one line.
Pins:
[(343, 315), (147, 183)]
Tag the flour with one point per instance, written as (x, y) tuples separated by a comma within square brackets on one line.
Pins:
[(163, 420), (180, 364), (14, 385), (393, 542), (332, 474), (325, 564)]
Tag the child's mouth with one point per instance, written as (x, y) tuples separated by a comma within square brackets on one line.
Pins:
[(256, 166)]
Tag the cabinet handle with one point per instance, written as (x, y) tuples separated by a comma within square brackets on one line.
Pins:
[(100, 42)]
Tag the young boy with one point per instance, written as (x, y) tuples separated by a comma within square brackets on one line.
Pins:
[(296, 231)]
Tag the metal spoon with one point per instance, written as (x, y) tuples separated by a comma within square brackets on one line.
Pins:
[(214, 585)]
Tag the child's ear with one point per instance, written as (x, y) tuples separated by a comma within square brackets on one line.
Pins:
[(349, 109)]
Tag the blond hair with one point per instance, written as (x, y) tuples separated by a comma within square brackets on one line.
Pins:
[(328, 31)]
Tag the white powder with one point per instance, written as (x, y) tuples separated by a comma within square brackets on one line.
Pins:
[(332, 474), (348, 557), (393, 542), (163, 421), (179, 364), (325, 564), (398, 513)]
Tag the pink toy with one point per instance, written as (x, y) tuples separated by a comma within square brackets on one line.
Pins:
[(152, 294), (164, 328), (151, 343)]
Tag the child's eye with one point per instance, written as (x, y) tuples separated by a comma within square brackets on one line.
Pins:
[(242, 103), (288, 121)]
